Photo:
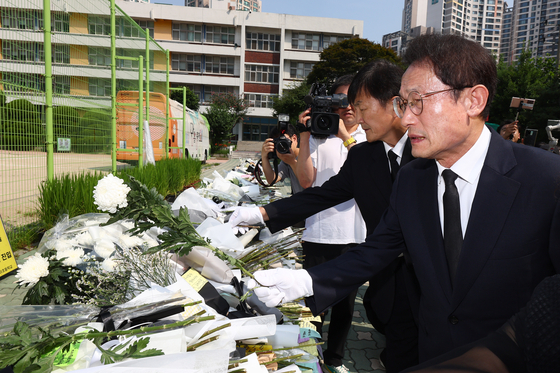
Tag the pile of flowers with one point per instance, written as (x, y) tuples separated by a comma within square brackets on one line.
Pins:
[(142, 263)]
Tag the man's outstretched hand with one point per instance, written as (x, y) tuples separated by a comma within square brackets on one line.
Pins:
[(276, 286)]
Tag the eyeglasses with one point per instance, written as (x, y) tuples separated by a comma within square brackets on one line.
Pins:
[(414, 101)]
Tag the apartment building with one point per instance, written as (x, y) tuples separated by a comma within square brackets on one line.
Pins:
[(506, 43), (254, 54), (536, 26), (479, 20)]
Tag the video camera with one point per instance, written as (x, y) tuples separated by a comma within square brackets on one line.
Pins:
[(323, 119), (282, 144)]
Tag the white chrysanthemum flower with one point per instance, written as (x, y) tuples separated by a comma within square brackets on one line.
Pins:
[(109, 265), (126, 241), (33, 269), (84, 239), (104, 248), (73, 257), (110, 193)]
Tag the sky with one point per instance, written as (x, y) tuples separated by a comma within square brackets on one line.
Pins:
[(380, 16)]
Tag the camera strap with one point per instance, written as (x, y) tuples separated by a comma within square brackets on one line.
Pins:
[(258, 171)]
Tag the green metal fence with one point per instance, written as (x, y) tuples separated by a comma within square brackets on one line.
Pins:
[(65, 67)]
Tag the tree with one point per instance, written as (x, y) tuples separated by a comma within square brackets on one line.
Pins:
[(21, 127), (528, 77), (192, 99), (291, 102), (94, 135), (226, 109), (342, 58), (347, 57)]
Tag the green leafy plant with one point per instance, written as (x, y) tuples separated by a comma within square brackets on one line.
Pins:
[(34, 349)]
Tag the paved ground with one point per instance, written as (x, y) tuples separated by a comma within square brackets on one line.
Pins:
[(364, 342)]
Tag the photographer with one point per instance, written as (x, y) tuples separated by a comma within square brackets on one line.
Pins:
[(287, 153), (509, 130)]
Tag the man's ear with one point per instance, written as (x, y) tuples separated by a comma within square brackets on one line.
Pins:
[(475, 100)]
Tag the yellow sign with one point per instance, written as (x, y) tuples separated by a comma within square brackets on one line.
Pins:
[(7, 260), (194, 279)]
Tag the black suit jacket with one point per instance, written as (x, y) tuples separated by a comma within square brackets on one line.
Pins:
[(365, 176), (511, 243)]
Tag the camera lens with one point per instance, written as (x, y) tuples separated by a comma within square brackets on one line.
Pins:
[(324, 122), (283, 148)]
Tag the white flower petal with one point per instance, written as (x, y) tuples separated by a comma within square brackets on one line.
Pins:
[(33, 269)]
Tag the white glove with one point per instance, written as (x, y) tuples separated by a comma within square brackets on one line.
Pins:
[(275, 286), (246, 216)]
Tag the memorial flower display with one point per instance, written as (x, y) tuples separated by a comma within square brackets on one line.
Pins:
[(142, 281)]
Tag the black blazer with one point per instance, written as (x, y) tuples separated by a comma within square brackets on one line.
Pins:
[(365, 176), (511, 243)]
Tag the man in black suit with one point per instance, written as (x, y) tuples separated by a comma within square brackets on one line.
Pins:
[(367, 177), (479, 217)]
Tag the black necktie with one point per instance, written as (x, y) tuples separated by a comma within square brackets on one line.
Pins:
[(394, 164), (452, 233)]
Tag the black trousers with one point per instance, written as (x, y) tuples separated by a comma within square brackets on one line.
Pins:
[(400, 328), (343, 311)]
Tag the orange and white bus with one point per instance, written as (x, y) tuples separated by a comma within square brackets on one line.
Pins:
[(194, 142)]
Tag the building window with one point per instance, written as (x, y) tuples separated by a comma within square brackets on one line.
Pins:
[(99, 87), (330, 40), (220, 35), (300, 70), (210, 90), (257, 129), (23, 82), (60, 53), (147, 25), (186, 62), (19, 19), (187, 32), (263, 42), (261, 74), (99, 25), (130, 30), (61, 85), (219, 65), (60, 22), (99, 56), (305, 41), (260, 100), (34, 52), (21, 51)]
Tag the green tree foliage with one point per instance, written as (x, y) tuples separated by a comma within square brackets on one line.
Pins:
[(94, 135), (347, 57), (342, 58), (191, 98), (21, 127), (226, 109), (291, 102), (528, 77)]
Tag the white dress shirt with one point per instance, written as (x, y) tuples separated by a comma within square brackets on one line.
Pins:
[(398, 149), (468, 168)]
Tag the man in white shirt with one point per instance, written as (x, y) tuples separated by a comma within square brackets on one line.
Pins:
[(331, 232), (479, 217)]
